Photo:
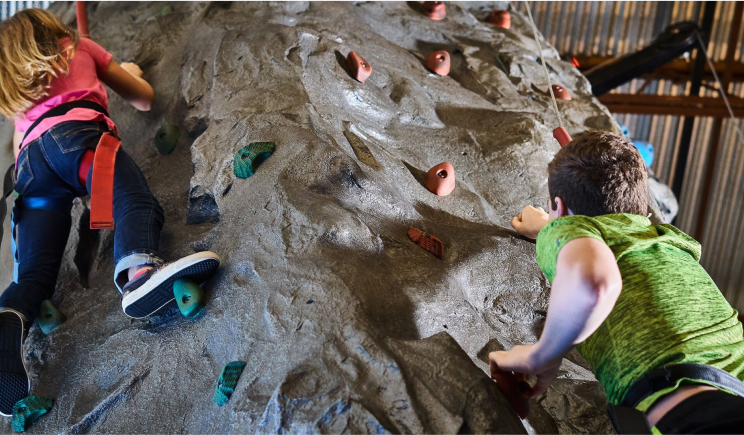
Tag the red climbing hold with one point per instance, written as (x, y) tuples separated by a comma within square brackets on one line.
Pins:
[(360, 68), (561, 93), (434, 10), (427, 241), (500, 19), (441, 179), (439, 62), (516, 390), (561, 135)]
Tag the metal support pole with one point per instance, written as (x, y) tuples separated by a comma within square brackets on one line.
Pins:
[(695, 85), (718, 123)]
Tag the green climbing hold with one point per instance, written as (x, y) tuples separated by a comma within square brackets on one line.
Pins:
[(189, 297), (227, 382), (167, 10), (28, 410), (166, 138), (50, 317), (250, 157)]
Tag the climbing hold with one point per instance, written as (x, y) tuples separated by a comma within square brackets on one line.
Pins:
[(360, 68), (560, 93), (516, 390), (439, 62), (500, 19), (189, 297), (50, 318), (227, 382), (434, 10), (250, 157), (28, 410), (441, 179), (167, 10), (561, 135), (166, 138), (427, 241)]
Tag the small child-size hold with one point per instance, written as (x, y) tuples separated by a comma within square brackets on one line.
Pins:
[(189, 297), (360, 68), (166, 138), (227, 382), (427, 241), (167, 10), (561, 135), (500, 19), (50, 317), (439, 62), (28, 410), (248, 158), (434, 10), (560, 93), (441, 179)]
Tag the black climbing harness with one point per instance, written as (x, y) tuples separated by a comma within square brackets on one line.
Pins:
[(626, 419)]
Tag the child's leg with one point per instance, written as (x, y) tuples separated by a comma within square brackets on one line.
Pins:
[(138, 220), (41, 236)]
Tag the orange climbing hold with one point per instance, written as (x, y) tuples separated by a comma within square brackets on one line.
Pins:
[(434, 10), (439, 62), (427, 241), (441, 179), (360, 68), (561, 93), (500, 19), (561, 135)]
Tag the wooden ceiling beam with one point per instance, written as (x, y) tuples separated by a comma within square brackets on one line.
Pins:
[(671, 105)]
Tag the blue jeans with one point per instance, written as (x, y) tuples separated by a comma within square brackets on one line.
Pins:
[(48, 168)]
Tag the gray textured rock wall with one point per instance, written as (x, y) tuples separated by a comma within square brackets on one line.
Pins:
[(346, 325)]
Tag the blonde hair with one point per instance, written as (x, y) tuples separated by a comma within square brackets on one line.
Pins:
[(31, 55)]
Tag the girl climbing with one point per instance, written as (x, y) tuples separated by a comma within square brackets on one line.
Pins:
[(66, 146)]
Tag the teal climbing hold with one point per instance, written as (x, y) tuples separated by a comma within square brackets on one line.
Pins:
[(227, 382), (166, 138), (50, 317), (248, 158), (28, 410), (189, 297)]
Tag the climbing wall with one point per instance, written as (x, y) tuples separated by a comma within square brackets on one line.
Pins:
[(345, 323)]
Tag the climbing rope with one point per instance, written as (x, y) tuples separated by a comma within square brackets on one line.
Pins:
[(721, 89), (545, 67), (81, 14), (560, 134), (249, 157)]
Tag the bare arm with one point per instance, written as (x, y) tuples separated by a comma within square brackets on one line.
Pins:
[(17, 138), (586, 286), (126, 80)]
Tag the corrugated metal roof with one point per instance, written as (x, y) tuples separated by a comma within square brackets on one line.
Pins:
[(7, 9), (617, 28)]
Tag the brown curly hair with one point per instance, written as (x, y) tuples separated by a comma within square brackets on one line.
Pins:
[(599, 173), (31, 55)]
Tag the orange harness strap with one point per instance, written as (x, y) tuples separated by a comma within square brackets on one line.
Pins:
[(102, 184)]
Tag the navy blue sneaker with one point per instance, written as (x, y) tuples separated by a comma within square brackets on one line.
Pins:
[(14, 381), (153, 290)]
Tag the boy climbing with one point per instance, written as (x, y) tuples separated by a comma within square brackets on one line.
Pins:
[(51, 88), (664, 344)]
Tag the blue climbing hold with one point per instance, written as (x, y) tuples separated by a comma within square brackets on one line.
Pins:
[(189, 297), (228, 381), (248, 158), (646, 150), (50, 317), (28, 410)]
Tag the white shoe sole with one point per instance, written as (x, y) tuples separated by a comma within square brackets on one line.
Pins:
[(157, 292)]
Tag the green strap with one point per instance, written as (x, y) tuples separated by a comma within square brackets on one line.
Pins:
[(227, 382), (250, 156), (28, 410)]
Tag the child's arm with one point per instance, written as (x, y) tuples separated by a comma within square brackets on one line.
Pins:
[(586, 285), (126, 80), (17, 138)]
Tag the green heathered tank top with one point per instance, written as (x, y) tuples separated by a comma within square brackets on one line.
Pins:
[(669, 311)]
